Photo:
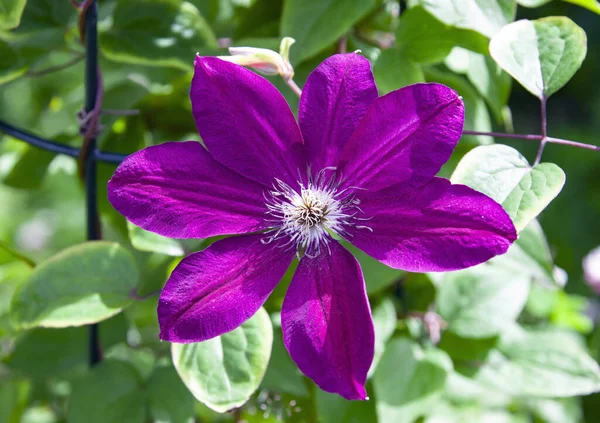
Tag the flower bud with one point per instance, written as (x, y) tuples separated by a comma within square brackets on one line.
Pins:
[(265, 61), (591, 269)]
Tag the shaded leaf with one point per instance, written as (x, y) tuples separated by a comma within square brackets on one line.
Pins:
[(394, 70)]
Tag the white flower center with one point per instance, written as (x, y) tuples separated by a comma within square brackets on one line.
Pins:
[(307, 219)]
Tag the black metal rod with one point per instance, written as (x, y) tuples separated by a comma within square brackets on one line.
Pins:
[(91, 92), (55, 147)]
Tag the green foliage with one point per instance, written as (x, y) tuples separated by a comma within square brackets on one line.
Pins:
[(503, 342), (223, 372), (316, 24)]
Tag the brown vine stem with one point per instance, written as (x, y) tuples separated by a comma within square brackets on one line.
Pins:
[(533, 137), (4, 246), (56, 68), (538, 157)]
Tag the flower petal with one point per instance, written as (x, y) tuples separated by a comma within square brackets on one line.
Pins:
[(437, 227), (326, 322), (246, 123), (405, 137), (215, 290), (335, 97), (178, 190)]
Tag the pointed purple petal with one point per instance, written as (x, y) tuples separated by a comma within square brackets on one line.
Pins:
[(405, 138), (437, 227), (335, 97), (326, 322), (246, 123), (178, 190), (216, 290)]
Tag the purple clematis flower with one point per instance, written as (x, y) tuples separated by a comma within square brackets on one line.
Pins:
[(356, 166)]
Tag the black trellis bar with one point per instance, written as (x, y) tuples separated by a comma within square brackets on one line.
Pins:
[(88, 152), (55, 147)]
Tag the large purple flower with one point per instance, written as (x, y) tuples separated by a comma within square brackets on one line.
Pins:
[(356, 166)]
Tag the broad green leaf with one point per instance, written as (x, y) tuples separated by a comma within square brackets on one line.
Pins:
[(141, 359), (424, 39), (282, 374), (377, 275), (384, 323), (149, 241), (542, 55), (10, 13), (560, 410), (223, 372), (168, 398), (534, 192), (83, 284), (332, 408), (316, 24), (394, 70), (502, 173), (482, 301), (485, 17), (110, 393), (157, 33), (545, 364), (408, 380), (11, 65)]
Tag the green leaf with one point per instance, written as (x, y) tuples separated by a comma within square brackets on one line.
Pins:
[(332, 408), (223, 372), (110, 393), (149, 241), (502, 173), (545, 364), (486, 17), (10, 13), (168, 398), (482, 301), (424, 39), (408, 380), (394, 70), (157, 33), (316, 24), (377, 275), (384, 323), (83, 284), (282, 374), (542, 55), (11, 65)]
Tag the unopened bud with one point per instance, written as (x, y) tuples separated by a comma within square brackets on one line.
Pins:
[(264, 60), (591, 269)]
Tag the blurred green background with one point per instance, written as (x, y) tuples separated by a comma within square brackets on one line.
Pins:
[(147, 51)]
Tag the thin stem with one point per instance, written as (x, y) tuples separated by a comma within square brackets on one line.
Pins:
[(544, 119), (532, 137), (16, 254), (343, 44), (56, 68), (295, 88)]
